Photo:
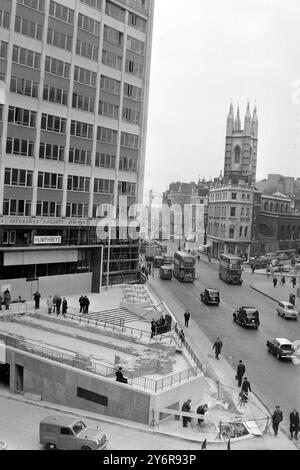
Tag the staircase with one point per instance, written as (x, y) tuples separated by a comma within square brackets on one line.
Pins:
[(116, 316)]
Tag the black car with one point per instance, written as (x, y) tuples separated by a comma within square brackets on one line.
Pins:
[(248, 317), (210, 297)]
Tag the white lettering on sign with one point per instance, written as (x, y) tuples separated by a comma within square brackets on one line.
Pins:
[(46, 240)]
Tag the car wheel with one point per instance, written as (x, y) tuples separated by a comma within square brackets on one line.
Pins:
[(85, 448), (269, 349), (234, 318), (256, 327), (277, 356), (50, 446), (278, 313)]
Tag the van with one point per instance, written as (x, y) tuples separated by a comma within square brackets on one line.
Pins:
[(70, 433)]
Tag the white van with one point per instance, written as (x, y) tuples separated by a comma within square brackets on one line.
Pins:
[(67, 432)]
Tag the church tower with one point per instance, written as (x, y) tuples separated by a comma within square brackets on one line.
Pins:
[(241, 146)]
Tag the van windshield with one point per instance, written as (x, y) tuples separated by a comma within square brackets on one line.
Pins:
[(79, 426)]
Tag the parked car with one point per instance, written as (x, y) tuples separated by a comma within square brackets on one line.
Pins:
[(247, 317), (287, 310), (210, 296), (67, 432), (282, 348)]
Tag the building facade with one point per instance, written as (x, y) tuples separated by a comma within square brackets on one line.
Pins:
[(231, 197), (241, 146), (74, 85), (279, 225), (230, 219)]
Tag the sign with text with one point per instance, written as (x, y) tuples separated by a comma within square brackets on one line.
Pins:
[(47, 240)]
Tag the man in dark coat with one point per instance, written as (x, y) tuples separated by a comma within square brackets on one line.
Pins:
[(120, 377), (201, 410), (294, 423), (241, 369), (275, 281), (153, 327), (37, 297), (217, 347), (187, 318), (81, 303), (186, 407), (7, 299), (64, 307), (58, 304), (246, 387), (277, 417), (86, 304)]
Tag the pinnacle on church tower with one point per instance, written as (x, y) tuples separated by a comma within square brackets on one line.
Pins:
[(230, 121), (237, 123), (254, 126), (247, 122)]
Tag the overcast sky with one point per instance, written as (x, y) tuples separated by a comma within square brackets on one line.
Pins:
[(205, 54)]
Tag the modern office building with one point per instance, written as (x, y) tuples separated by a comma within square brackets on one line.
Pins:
[(74, 86)]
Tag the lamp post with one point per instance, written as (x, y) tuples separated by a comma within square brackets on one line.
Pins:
[(108, 255)]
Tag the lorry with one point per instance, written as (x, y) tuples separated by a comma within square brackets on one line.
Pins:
[(151, 252)]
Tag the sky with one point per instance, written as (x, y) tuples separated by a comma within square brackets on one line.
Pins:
[(204, 55)]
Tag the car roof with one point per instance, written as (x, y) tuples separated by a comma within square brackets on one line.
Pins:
[(250, 308), (286, 304), (60, 420), (283, 341), (211, 289)]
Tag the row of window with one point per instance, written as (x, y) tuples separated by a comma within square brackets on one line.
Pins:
[(217, 230), (119, 13), (38, 5), (3, 49), (89, 24), (29, 28), (221, 211), (223, 195), (60, 96), (18, 177), (22, 147), (59, 39), (52, 123), (61, 12), (78, 183)]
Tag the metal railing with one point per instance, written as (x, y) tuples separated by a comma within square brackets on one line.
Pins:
[(190, 350), (85, 363)]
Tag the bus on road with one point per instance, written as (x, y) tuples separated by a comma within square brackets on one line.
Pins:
[(184, 266), (230, 269)]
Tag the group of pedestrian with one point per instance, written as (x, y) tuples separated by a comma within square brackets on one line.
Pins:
[(186, 407), (57, 304), (84, 303), (5, 300), (277, 417), (244, 384)]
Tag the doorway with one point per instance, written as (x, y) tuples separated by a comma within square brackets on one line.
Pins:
[(4, 376), (19, 370)]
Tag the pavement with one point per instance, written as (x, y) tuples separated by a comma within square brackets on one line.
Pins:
[(222, 389)]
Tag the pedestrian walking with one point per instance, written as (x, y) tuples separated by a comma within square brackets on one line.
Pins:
[(187, 408), (49, 304), (36, 297), (282, 281), (182, 337), (153, 327), (58, 304), (252, 268), (81, 303), (54, 303), (246, 387), (7, 299), (275, 281), (201, 410), (294, 282), (86, 304), (277, 417), (268, 271), (1, 302), (187, 316), (64, 307), (241, 369), (217, 347), (294, 423)]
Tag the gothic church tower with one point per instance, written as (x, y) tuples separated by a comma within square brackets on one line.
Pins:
[(241, 146)]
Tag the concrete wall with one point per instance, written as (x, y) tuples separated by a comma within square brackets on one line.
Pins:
[(192, 389), (64, 285), (57, 383)]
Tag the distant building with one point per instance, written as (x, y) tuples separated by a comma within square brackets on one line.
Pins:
[(179, 194), (200, 197)]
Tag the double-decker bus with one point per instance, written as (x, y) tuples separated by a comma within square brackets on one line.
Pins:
[(184, 266), (230, 269)]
